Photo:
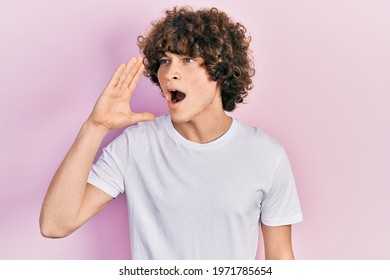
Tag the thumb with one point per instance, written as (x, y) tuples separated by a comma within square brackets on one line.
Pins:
[(142, 117)]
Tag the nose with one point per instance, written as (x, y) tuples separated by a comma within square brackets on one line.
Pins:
[(172, 72)]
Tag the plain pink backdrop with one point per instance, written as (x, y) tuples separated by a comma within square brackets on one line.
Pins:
[(322, 88)]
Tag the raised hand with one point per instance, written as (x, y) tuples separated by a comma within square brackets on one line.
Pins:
[(112, 109)]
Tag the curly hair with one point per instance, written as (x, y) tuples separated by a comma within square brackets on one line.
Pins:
[(211, 35)]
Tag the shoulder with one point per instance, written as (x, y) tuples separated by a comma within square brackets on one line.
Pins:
[(258, 140)]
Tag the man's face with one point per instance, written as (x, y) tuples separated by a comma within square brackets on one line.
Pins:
[(188, 89)]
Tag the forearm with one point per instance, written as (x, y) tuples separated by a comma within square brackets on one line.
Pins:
[(70, 201), (277, 242), (61, 206)]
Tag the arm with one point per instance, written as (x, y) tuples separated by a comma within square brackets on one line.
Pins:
[(70, 201), (277, 242)]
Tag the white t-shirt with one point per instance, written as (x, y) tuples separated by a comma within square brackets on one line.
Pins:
[(198, 201)]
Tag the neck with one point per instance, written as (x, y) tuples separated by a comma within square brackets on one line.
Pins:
[(204, 130)]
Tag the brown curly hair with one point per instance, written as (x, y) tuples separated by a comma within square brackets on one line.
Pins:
[(211, 35)]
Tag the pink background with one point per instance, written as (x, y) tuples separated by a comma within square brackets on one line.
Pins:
[(322, 89)]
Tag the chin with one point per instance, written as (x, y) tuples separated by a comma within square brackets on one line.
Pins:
[(179, 118)]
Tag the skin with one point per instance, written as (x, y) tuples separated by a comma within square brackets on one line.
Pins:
[(70, 201), (277, 242)]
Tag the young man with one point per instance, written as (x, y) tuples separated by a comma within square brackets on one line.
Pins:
[(198, 183)]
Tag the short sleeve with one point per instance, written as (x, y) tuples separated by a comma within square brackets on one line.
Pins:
[(281, 204), (108, 173)]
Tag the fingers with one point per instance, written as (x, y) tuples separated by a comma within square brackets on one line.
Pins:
[(115, 78), (133, 81), (128, 74), (136, 74)]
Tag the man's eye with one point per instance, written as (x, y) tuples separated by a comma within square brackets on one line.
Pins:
[(164, 61), (188, 60)]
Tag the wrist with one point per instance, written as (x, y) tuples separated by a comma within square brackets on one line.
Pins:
[(98, 130)]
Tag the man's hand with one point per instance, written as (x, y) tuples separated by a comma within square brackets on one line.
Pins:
[(112, 109)]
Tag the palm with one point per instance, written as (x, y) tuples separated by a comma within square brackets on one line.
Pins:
[(112, 109)]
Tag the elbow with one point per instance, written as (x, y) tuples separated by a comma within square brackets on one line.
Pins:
[(51, 233), (50, 230)]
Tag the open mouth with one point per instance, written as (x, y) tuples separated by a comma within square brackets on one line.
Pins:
[(177, 96)]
